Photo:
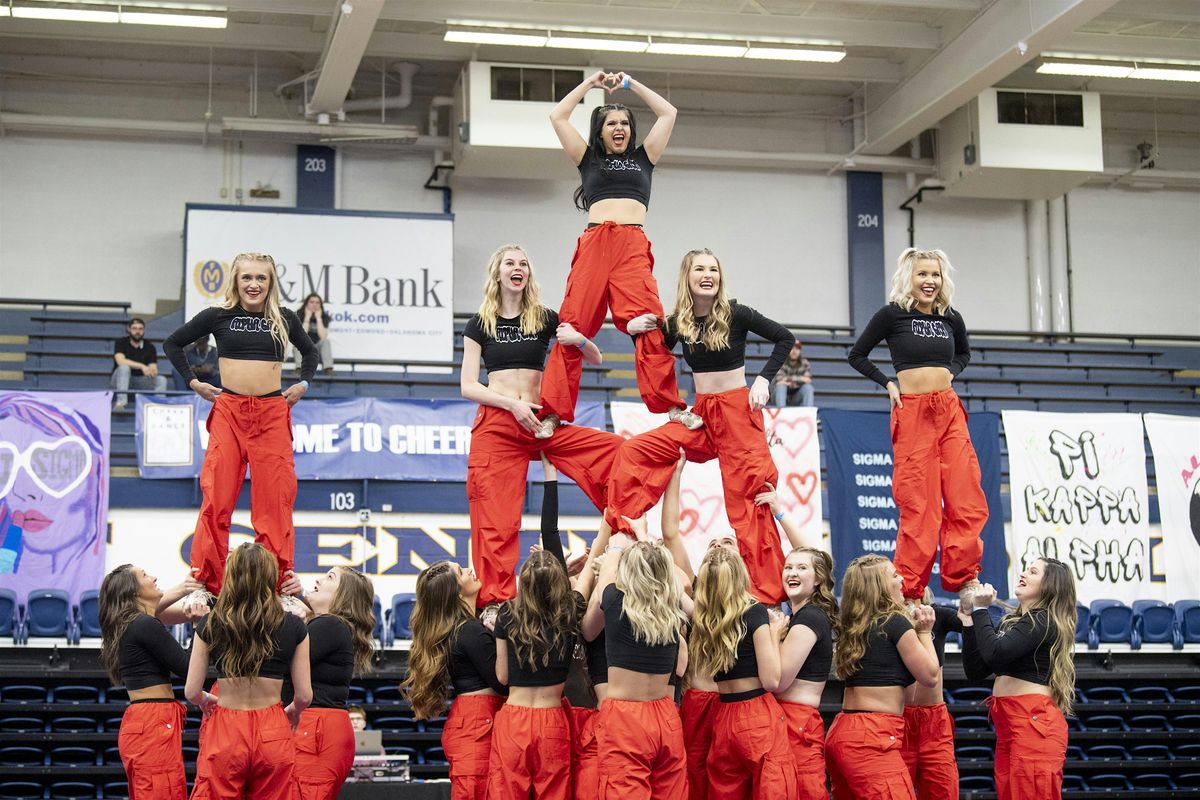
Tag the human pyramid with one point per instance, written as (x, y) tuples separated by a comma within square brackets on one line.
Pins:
[(704, 686)]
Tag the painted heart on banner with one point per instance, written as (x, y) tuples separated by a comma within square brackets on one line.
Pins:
[(802, 486), (805, 427), (688, 520), (705, 510)]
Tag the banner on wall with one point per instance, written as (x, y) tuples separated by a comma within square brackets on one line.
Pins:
[(392, 550), (355, 438), (387, 279), (1079, 494), (1175, 442), (792, 436), (54, 455), (863, 517)]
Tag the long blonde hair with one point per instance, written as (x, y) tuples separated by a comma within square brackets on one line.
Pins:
[(722, 595), (272, 310), (646, 575), (533, 313), (1057, 599), (352, 603), (901, 293), (241, 627), (866, 603), (716, 327), (545, 618), (438, 615)]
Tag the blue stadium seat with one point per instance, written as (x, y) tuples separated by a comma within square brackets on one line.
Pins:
[(116, 694), (48, 613), (1107, 752), (1105, 694), (1074, 751), (1187, 623), (74, 725), (1186, 722), (357, 695), (970, 694), (21, 790), (10, 614), (434, 755), (975, 753), (1111, 622), (1081, 623), (89, 613), (395, 725), (972, 722), (112, 756), (21, 725), (1152, 781), (399, 750), (433, 724), (388, 695), (72, 790), (1153, 622), (73, 756), (22, 756), (402, 606), (1150, 722), (1075, 724), (1106, 722), (1151, 752), (113, 724), (1150, 694), (1188, 780), (1187, 750), (1186, 694), (76, 694), (24, 694), (117, 789), (1073, 783), (1108, 782), (377, 610), (977, 783)]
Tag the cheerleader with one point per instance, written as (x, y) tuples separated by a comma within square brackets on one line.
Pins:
[(935, 478), (340, 647), (250, 422), (612, 266), (509, 337), (878, 653), (733, 640), (928, 726), (536, 635), (139, 654), (713, 330), (247, 750), (807, 654), (453, 653), (1032, 656)]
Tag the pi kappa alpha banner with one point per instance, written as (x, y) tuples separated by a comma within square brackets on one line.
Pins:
[(1175, 442), (1079, 494), (792, 436)]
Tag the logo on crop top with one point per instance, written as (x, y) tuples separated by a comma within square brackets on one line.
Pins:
[(930, 329), (249, 325), (209, 277), (622, 165), (510, 334)]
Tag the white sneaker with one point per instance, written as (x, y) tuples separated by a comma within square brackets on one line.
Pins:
[(293, 605), (548, 427), (488, 615), (966, 595), (198, 603), (688, 419)]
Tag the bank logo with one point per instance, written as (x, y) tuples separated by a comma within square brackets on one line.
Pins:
[(209, 277)]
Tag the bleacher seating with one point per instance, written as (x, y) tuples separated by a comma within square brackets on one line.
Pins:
[(1187, 622), (10, 614), (48, 613), (87, 615), (1111, 621), (400, 613)]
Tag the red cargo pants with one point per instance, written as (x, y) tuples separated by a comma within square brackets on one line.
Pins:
[(1031, 745), (929, 751), (467, 742), (806, 735), (697, 711), (641, 750), (750, 757), (324, 752), (150, 744), (862, 752), (531, 753), (246, 754)]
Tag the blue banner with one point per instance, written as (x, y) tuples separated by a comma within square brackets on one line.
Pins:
[(352, 438), (862, 513)]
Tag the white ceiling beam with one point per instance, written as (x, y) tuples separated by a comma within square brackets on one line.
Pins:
[(343, 53), (985, 52), (945, 5), (1127, 46)]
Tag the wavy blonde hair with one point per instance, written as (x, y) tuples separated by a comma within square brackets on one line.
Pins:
[(722, 595), (716, 327), (867, 603), (352, 604), (1057, 600), (646, 575), (241, 627), (438, 615), (272, 311), (901, 293), (822, 596), (533, 313)]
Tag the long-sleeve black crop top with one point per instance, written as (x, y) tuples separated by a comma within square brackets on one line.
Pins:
[(945, 620), (744, 320), (914, 339), (331, 657), (472, 660), (244, 335), (1020, 650), (148, 655)]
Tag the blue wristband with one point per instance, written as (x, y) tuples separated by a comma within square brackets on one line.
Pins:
[(584, 344), (625, 82), (304, 384), (778, 516)]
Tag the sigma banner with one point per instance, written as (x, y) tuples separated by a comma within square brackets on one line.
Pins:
[(386, 279), (862, 512), (391, 550), (792, 436), (54, 450), (1175, 442), (357, 437), (1079, 495)]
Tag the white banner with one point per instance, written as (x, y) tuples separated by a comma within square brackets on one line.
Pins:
[(1175, 442), (1078, 485), (386, 279), (792, 435)]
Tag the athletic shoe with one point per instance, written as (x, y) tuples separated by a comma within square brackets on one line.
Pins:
[(293, 605), (547, 428), (966, 595), (488, 615), (688, 419), (198, 603)]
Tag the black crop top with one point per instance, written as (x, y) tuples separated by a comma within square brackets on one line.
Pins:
[(556, 671), (242, 335), (148, 655), (914, 339), (945, 620), (820, 658), (1021, 650), (746, 665), (510, 348), (472, 660), (624, 649), (597, 658), (616, 176), (331, 656), (745, 320), (287, 638), (881, 664)]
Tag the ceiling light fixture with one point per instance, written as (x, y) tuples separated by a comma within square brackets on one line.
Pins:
[(1138, 69), (1165, 74), (795, 54), (691, 47), (65, 14), (530, 39), (609, 44), (1085, 70), (174, 20)]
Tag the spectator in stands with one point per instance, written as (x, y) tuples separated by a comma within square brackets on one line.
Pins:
[(793, 382), (316, 321), (358, 717), (1032, 656), (201, 356), (137, 364)]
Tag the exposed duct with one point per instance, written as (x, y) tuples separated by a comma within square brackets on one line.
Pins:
[(399, 101)]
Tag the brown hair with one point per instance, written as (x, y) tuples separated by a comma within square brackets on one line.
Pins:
[(545, 618), (352, 603), (438, 614), (119, 606), (241, 627)]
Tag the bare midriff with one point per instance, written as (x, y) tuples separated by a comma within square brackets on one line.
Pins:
[(536, 696), (883, 699), (245, 694), (483, 692), (702, 683), (1008, 686), (519, 384), (253, 378), (621, 210), (806, 693), (159, 691), (917, 695), (627, 684), (924, 380), (718, 382), (738, 685)]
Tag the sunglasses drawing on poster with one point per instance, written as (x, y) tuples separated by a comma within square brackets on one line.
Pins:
[(52, 491)]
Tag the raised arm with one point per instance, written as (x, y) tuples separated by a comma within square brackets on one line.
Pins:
[(560, 118), (656, 140), (916, 649), (670, 522), (593, 620), (551, 541)]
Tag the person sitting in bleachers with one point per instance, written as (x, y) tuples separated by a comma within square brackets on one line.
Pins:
[(201, 356), (137, 364)]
